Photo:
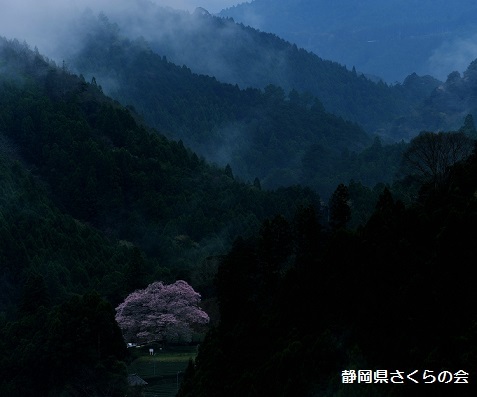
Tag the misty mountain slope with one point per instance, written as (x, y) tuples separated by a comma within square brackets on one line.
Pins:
[(447, 106), (103, 168), (296, 325), (93, 206), (260, 133), (391, 39), (247, 57)]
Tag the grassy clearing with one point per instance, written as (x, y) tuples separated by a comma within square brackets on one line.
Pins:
[(164, 370)]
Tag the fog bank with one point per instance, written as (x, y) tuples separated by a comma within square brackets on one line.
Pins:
[(45, 24)]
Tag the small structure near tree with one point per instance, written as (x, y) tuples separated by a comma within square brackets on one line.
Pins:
[(134, 380), (136, 385)]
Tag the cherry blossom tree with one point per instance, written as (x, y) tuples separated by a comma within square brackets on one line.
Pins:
[(161, 312)]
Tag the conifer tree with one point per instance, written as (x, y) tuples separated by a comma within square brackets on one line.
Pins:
[(340, 210)]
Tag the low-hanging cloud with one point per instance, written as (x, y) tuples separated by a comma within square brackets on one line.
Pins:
[(44, 24), (453, 56)]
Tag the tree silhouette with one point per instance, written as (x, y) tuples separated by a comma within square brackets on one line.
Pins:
[(340, 211), (469, 127), (430, 156)]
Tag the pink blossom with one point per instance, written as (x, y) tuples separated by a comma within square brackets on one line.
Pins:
[(161, 312)]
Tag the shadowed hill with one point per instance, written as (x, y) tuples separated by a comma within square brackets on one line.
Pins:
[(105, 169), (236, 54), (260, 133)]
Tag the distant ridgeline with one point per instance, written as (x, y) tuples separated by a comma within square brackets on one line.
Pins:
[(95, 204), (302, 306), (238, 54), (281, 138), (269, 131), (390, 39), (446, 108)]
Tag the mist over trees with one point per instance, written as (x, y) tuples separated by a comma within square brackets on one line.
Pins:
[(230, 129), (349, 300), (446, 108), (94, 202), (259, 133), (293, 242), (237, 54), (388, 40)]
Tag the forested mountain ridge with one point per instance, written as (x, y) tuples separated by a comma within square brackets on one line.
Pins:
[(236, 54), (266, 133), (314, 305), (390, 39), (280, 137), (105, 170), (244, 56), (93, 205), (446, 107)]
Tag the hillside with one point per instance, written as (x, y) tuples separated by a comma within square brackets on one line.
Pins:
[(446, 107), (120, 167), (280, 137), (306, 311), (94, 204), (103, 168), (265, 134), (239, 55), (389, 39)]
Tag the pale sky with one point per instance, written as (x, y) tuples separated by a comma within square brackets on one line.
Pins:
[(213, 6)]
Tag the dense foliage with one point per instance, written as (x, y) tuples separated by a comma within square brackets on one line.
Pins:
[(72, 349), (38, 240), (446, 108), (260, 133), (105, 168), (239, 55), (300, 304), (95, 205), (272, 132)]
